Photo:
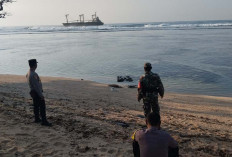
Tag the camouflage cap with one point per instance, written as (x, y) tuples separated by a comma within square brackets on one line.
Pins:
[(147, 65)]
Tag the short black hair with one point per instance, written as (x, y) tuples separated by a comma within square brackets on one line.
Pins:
[(153, 118), (147, 68)]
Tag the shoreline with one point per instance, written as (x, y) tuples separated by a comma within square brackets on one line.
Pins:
[(118, 84), (87, 119)]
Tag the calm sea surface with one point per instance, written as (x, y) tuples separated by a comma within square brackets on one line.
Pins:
[(190, 57)]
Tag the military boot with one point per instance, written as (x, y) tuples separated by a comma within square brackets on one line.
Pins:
[(46, 123)]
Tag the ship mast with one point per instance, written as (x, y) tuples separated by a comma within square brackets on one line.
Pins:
[(82, 15), (94, 16), (67, 17)]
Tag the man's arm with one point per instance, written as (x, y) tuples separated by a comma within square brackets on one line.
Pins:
[(140, 93), (173, 149), (135, 144), (136, 150), (161, 87)]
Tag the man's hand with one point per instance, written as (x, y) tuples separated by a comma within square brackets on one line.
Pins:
[(139, 97)]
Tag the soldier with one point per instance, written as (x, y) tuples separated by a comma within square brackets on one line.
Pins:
[(148, 88), (36, 93)]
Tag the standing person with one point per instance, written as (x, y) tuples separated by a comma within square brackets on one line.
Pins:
[(36, 93), (153, 141), (148, 88)]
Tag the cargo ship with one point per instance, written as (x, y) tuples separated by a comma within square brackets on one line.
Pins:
[(81, 22)]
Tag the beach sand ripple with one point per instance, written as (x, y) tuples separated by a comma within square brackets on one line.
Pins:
[(91, 120)]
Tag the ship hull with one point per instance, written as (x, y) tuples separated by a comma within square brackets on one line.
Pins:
[(83, 24)]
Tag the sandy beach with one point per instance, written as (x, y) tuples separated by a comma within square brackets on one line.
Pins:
[(92, 119)]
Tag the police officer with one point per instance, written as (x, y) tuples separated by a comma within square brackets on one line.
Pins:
[(148, 88), (36, 93)]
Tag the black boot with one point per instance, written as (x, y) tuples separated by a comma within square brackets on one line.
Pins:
[(37, 120), (46, 123)]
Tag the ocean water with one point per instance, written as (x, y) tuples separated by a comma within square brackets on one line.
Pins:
[(190, 57)]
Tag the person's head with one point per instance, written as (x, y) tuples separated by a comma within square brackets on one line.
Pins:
[(147, 67), (153, 120), (32, 63)]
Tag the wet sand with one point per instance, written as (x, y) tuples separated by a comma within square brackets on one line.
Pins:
[(89, 120)]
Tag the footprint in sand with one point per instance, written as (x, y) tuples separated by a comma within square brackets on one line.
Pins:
[(45, 131), (50, 153), (54, 138), (25, 128), (37, 155), (59, 144), (12, 150), (4, 142), (130, 151), (22, 134), (82, 149), (103, 149), (35, 146), (111, 151)]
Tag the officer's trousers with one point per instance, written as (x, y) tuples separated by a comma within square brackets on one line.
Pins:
[(151, 103), (39, 108)]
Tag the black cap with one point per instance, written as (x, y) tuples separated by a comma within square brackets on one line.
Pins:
[(32, 62)]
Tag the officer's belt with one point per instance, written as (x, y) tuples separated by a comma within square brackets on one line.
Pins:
[(151, 93), (155, 92)]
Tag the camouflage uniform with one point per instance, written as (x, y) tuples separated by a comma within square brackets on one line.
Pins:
[(148, 88)]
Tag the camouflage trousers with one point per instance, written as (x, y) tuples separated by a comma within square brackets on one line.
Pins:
[(150, 102)]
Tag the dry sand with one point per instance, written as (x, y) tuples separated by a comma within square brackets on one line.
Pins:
[(87, 118)]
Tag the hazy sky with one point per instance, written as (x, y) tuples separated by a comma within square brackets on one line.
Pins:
[(51, 12)]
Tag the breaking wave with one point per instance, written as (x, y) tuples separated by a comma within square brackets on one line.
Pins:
[(123, 27)]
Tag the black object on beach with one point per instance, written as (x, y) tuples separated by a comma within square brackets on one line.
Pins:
[(123, 124), (114, 85), (132, 86), (124, 78), (140, 116)]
